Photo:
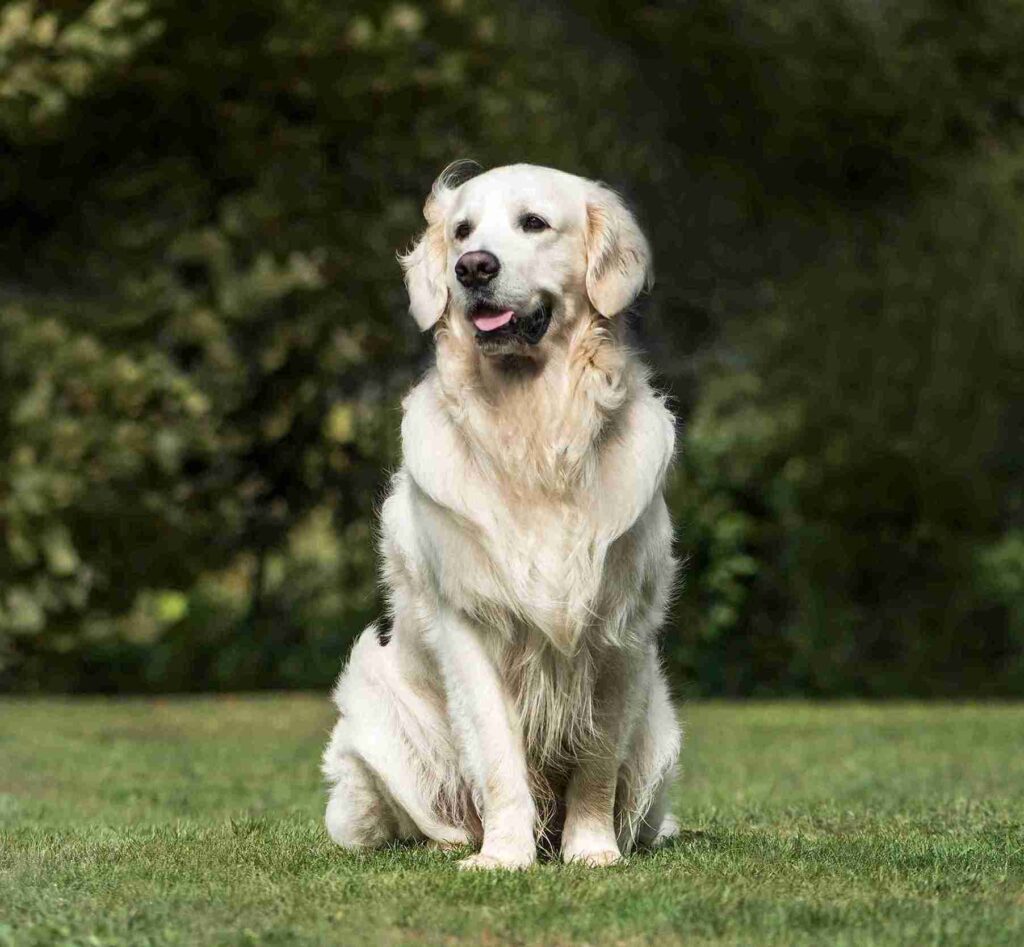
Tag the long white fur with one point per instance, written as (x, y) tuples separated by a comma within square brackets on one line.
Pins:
[(527, 554)]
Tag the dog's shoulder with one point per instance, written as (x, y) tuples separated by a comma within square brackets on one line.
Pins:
[(428, 435), (435, 458), (652, 423), (635, 463)]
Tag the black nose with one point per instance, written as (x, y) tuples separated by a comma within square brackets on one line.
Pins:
[(476, 268)]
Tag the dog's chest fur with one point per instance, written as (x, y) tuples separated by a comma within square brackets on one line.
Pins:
[(524, 554), (545, 568)]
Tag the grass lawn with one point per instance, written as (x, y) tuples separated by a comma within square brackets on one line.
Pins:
[(197, 821)]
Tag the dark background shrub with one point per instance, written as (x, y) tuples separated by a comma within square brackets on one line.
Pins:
[(203, 335)]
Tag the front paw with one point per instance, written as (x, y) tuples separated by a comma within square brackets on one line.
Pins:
[(497, 861), (592, 857), (595, 847), (450, 840)]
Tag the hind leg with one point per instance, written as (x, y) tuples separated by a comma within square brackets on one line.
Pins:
[(359, 814), (646, 777), (386, 761), (658, 824)]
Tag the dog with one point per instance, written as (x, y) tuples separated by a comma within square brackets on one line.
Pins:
[(514, 695)]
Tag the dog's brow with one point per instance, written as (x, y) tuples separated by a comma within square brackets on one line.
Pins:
[(536, 208)]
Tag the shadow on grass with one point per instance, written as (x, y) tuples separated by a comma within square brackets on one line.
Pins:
[(685, 840), (550, 843)]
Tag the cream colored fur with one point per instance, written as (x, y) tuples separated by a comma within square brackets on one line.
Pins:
[(527, 555)]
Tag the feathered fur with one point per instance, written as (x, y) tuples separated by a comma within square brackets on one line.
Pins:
[(527, 556)]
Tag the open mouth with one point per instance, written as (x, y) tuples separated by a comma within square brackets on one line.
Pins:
[(488, 320), (495, 324)]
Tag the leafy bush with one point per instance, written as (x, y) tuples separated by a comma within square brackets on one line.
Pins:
[(203, 335), (204, 325), (844, 490)]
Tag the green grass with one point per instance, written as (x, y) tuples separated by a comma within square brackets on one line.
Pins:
[(198, 821)]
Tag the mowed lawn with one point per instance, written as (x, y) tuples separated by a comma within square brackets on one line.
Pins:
[(197, 821)]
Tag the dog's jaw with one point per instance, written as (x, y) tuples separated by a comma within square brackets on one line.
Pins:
[(502, 331)]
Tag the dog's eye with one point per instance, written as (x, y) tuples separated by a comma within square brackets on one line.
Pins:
[(531, 223), (463, 230)]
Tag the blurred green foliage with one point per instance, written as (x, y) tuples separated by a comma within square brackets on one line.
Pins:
[(203, 335)]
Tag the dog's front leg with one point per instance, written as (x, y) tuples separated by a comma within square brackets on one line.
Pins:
[(589, 833), (490, 737)]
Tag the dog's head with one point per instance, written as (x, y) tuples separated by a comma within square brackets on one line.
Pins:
[(517, 254)]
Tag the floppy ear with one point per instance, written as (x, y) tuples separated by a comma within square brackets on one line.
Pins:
[(425, 263), (618, 257), (424, 269)]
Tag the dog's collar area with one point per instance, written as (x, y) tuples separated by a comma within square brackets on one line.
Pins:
[(529, 329)]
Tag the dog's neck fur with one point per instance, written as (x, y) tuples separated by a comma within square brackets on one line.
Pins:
[(538, 421)]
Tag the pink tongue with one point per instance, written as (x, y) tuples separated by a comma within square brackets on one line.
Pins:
[(490, 323)]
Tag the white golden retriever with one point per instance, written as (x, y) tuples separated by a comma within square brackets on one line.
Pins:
[(516, 694)]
